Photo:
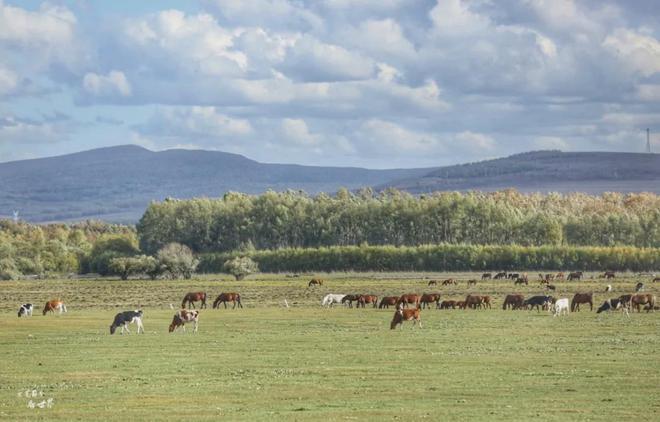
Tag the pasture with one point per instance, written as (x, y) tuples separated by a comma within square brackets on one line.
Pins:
[(305, 362)]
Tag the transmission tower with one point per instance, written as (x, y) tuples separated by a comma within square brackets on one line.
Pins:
[(648, 140), (15, 216)]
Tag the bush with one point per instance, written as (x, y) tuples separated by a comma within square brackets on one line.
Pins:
[(8, 270), (126, 267), (240, 267), (177, 260), (109, 247)]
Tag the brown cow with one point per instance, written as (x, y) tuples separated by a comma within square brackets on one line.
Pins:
[(428, 298), (409, 298), (182, 317), (315, 282), (387, 301), (643, 299), (53, 305), (401, 315), (364, 299), (582, 298), (193, 297), (513, 302), (447, 304), (235, 298)]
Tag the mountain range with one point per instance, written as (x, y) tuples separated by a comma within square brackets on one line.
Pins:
[(117, 183)]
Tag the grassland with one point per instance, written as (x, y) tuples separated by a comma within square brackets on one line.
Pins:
[(304, 362)]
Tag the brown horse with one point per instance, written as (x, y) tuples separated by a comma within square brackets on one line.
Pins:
[(315, 282), (486, 276), (486, 301), (473, 301), (235, 298), (472, 282), (643, 299), (460, 304), (428, 298), (364, 299), (513, 302), (350, 299), (449, 281), (401, 315), (433, 283), (582, 298), (409, 298), (576, 275), (193, 297), (657, 279), (387, 301), (560, 276), (447, 304)]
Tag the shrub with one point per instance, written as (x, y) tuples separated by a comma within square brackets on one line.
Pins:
[(240, 267), (177, 260)]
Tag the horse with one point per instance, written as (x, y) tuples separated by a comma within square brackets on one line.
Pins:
[(193, 297), (387, 301), (228, 297), (364, 299), (639, 287), (575, 275), (52, 305), (449, 281), (401, 315), (182, 317), (500, 275), (486, 276), (433, 283), (486, 301), (473, 301), (656, 280), (446, 304), (643, 299), (582, 298), (538, 302), (521, 280), (613, 305), (551, 287), (409, 298), (350, 299), (331, 299), (513, 302), (560, 276), (608, 275), (122, 320), (460, 304), (315, 282), (428, 298), (472, 282)]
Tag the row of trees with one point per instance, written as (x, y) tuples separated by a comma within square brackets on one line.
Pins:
[(296, 220)]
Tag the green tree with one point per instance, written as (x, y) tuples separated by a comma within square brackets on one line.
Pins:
[(177, 260), (240, 267)]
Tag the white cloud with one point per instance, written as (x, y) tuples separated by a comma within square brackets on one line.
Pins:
[(50, 25), (8, 81), (641, 53), (114, 83), (297, 132)]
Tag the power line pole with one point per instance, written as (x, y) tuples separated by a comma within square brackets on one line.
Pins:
[(648, 140)]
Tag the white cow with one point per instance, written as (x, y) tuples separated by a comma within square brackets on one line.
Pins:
[(559, 306), (331, 299)]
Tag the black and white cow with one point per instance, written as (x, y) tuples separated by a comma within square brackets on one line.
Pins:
[(122, 320), (538, 302), (25, 310), (613, 305)]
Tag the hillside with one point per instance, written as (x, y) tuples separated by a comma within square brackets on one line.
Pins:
[(117, 183), (545, 171)]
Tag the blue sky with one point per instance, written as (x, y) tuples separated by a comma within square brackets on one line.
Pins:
[(373, 83)]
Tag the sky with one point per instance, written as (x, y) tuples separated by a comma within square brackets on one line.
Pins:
[(371, 83)]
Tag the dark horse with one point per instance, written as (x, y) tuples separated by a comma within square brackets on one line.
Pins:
[(388, 301), (582, 298), (428, 298), (227, 297), (193, 297)]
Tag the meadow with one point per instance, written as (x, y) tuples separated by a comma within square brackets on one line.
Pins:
[(304, 362)]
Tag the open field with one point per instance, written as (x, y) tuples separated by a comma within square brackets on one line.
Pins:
[(307, 363)]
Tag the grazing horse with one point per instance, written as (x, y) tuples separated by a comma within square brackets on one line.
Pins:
[(513, 302), (433, 283), (449, 281), (52, 305), (560, 306), (513, 276), (387, 301), (643, 299), (473, 301), (409, 298), (193, 297), (625, 299), (447, 304), (486, 300), (364, 299), (235, 298), (315, 282), (25, 310), (122, 320), (657, 279), (182, 317), (350, 299), (472, 282), (576, 275), (538, 302), (560, 276), (639, 287), (608, 275), (613, 305), (428, 298), (501, 275), (460, 304), (401, 315), (331, 299), (521, 280), (486, 276), (582, 298)]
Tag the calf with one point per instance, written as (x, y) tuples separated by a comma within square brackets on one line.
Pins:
[(560, 305), (401, 315), (182, 317), (25, 310), (122, 320), (53, 305)]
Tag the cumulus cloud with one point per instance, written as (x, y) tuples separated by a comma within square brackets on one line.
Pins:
[(114, 83)]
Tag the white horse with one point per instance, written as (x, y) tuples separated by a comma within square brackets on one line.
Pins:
[(331, 299)]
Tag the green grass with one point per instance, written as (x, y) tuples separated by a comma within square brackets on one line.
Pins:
[(268, 362)]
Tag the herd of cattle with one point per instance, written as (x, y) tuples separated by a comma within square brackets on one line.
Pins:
[(557, 306)]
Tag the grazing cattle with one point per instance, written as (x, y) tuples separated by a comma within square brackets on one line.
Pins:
[(486, 276), (613, 305), (560, 306), (235, 298), (551, 287), (449, 281), (580, 298), (331, 299), (315, 282), (447, 304), (25, 310), (364, 299), (538, 302), (513, 302), (122, 320), (349, 299), (521, 280), (183, 317), (576, 275), (193, 297), (433, 283), (473, 301), (428, 298), (639, 287), (388, 301), (486, 301), (471, 282), (608, 288), (643, 299), (409, 298), (53, 305), (500, 275), (401, 315)]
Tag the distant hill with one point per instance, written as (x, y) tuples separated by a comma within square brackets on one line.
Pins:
[(545, 171), (117, 183)]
